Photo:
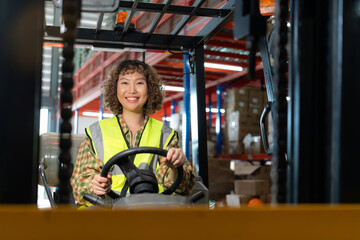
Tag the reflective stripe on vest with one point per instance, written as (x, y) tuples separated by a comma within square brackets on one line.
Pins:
[(107, 140)]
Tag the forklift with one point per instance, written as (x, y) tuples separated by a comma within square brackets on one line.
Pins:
[(139, 181), (321, 138)]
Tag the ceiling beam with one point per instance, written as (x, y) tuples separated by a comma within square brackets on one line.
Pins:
[(221, 54), (180, 65), (167, 70), (226, 44), (174, 9), (137, 40), (228, 37)]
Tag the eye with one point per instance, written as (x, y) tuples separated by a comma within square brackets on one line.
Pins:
[(123, 83), (140, 82)]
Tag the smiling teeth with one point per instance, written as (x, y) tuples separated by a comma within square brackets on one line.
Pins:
[(131, 99)]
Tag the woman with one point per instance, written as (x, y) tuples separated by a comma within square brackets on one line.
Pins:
[(131, 91)]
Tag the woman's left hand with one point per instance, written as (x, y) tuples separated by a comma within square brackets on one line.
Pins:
[(175, 157)]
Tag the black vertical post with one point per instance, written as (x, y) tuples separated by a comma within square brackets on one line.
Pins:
[(198, 114), (21, 23), (336, 11), (324, 74), (349, 181), (279, 107), (310, 103)]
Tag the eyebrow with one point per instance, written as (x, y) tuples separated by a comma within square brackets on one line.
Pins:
[(124, 78)]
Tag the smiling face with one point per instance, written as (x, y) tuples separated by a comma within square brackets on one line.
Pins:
[(132, 92)]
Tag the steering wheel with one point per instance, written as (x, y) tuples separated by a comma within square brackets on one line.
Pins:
[(140, 181)]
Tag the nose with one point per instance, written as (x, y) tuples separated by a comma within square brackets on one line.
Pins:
[(132, 87)]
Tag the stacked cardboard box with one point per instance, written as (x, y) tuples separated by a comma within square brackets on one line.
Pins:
[(237, 99), (243, 108), (253, 144), (256, 101), (252, 181), (238, 126), (221, 178), (211, 149), (237, 200), (211, 133)]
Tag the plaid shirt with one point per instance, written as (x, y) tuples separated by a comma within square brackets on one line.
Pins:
[(88, 165)]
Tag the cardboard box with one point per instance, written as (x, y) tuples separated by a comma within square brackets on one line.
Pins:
[(248, 170), (242, 98), (221, 178), (233, 126), (219, 163), (237, 94), (236, 99), (235, 115), (238, 125), (234, 148), (255, 111), (212, 137), (211, 133), (219, 190), (264, 97), (252, 187), (261, 173), (253, 144), (249, 121), (237, 200), (245, 168), (237, 106), (255, 95), (237, 135), (256, 101), (211, 149)]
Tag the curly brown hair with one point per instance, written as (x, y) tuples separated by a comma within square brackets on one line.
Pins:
[(153, 80)]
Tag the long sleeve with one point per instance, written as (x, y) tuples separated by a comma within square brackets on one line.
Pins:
[(87, 166), (165, 174)]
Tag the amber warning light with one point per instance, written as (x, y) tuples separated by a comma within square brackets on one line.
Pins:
[(121, 18), (267, 7), (120, 21)]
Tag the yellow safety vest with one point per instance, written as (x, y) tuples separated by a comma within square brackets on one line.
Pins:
[(107, 139)]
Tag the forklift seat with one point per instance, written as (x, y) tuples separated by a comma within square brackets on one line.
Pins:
[(49, 160)]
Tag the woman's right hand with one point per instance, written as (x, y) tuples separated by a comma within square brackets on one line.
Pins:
[(101, 185)]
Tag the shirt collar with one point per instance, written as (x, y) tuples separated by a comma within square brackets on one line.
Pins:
[(125, 128)]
